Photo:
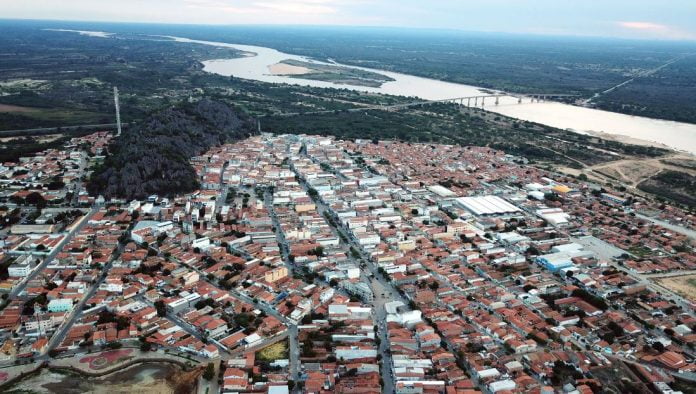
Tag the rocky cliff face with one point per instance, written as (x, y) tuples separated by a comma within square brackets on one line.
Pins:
[(152, 157)]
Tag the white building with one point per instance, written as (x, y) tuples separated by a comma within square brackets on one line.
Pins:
[(22, 267), (368, 239), (353, 352), (487, 205), (60, 305), (501, 385)]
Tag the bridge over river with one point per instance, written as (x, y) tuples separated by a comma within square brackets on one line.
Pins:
[(481, 99)]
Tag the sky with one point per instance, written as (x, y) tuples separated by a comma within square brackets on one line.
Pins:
[(640, 19)]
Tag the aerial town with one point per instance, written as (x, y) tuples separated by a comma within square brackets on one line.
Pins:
[(309, 264)]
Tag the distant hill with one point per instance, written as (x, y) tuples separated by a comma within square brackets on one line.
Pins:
[(152, 157)]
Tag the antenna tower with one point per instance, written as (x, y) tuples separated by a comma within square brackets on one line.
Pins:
[(118, 112)]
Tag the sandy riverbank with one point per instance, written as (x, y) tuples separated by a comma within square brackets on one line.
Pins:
[(624, 139), (287, 69)]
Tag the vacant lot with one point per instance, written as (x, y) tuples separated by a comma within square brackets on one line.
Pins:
[(685, 286), (273, 352)]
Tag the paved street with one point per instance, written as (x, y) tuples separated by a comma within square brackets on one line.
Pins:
[(54, 252), (379, 286), (673, 227), (76, 312)]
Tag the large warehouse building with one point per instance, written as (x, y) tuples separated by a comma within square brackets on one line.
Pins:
[(487, 205)]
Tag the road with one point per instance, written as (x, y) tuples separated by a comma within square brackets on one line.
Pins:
[(607, 252), (673, 227), (602, 249), (653, 286), (640, 75), (183, 324), (293, 340), (378, 284), (294, 352), (54, 252), (76, 312)]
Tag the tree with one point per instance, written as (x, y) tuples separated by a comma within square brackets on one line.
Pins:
[(209, 373), (114, 345), (161, 308), (36, 199), (145, 346), (659, 346)]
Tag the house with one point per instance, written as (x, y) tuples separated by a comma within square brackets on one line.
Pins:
[(40, 345), (210, 351), (215, 328)]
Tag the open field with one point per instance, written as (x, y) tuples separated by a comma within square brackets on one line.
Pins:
[(17, 117), (278, 350), (685, 286), (635, 171)]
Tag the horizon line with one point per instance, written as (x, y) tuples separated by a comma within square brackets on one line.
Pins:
[(394, 27)]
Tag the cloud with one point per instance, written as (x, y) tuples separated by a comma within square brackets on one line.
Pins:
[(655, 30), (644, 26), (303, 7), (298, 7)]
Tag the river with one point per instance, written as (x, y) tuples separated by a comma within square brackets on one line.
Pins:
[(675, 135)]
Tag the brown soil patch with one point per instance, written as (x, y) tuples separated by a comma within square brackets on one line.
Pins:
[(634, 171), (685, 286), (15, 108)]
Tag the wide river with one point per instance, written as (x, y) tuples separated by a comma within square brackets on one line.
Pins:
[(678, 136)]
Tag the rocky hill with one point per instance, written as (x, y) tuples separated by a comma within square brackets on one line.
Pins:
[(152, 157)]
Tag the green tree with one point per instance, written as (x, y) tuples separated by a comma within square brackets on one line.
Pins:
[(161, 308), (36, 199), (209, 372)]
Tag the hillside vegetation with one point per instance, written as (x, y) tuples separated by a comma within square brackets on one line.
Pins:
[(674, 185), (152, 157)]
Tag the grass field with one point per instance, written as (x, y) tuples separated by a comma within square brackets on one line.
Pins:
[(273, 352), (685, 286), (16, 117)]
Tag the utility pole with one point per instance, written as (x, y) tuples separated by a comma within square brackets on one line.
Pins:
[(118, 112)]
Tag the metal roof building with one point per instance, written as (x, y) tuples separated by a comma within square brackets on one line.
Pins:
[(487, 205)]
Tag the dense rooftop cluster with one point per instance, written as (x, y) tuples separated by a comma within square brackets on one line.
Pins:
[(310, 264)]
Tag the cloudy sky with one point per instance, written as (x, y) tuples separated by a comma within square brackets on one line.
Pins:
[(653, 19)]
